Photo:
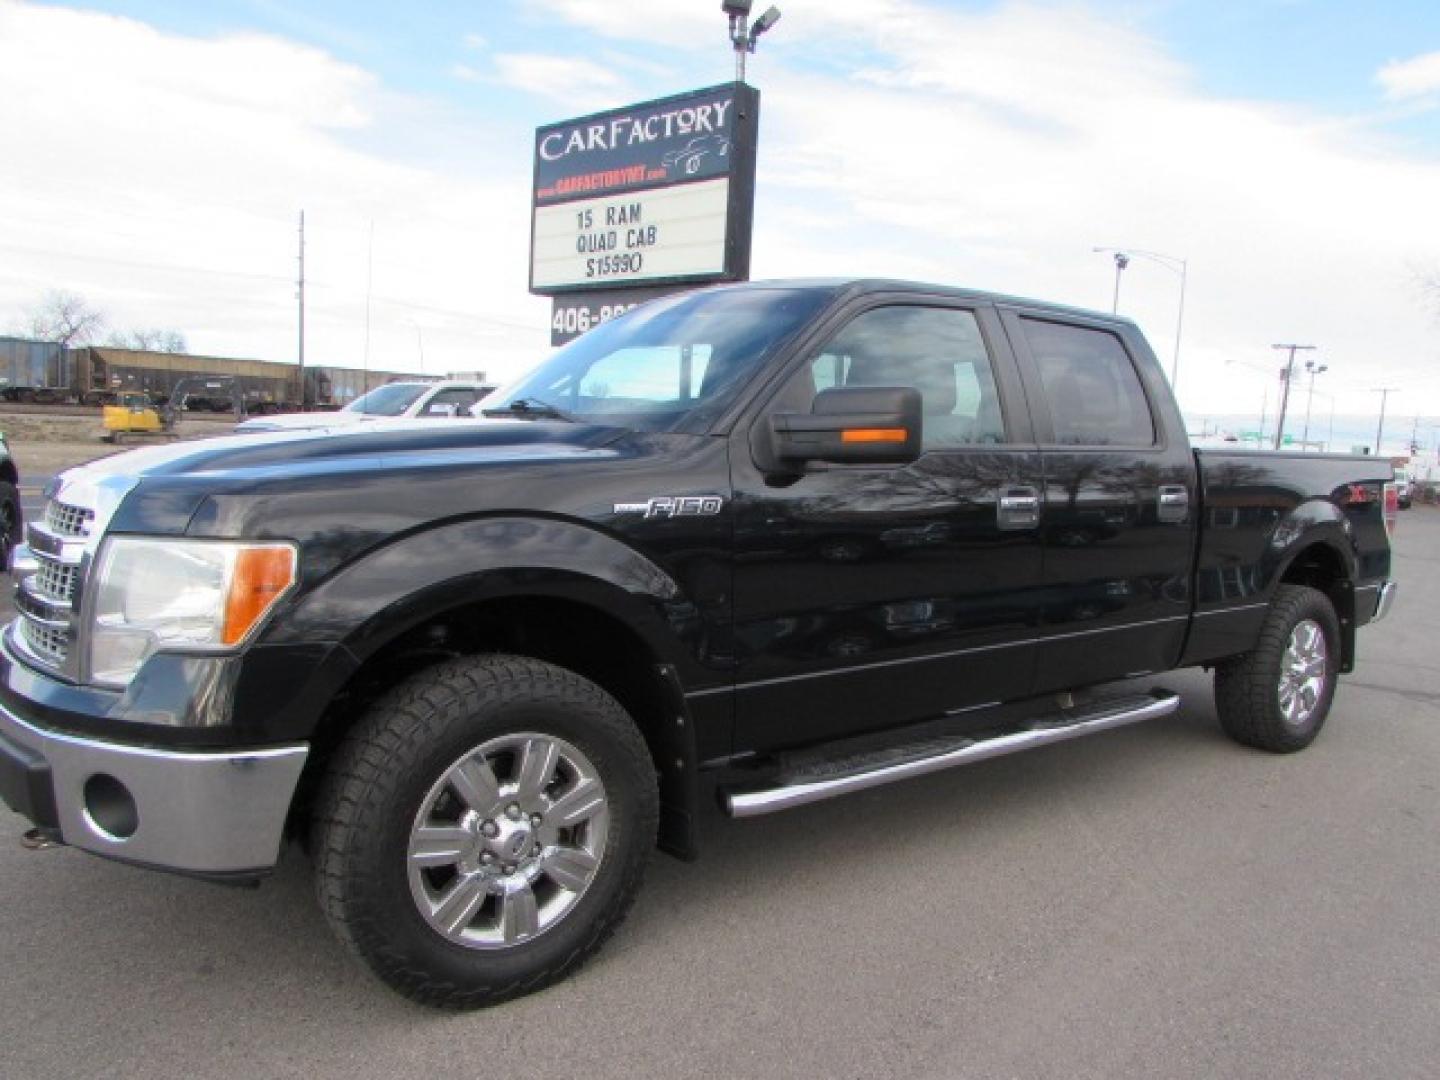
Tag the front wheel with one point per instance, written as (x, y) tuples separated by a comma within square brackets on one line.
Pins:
[(1277, 696), (484, 828)]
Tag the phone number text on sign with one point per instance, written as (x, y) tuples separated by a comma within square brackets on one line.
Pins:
[(673, 232), (572, 321)]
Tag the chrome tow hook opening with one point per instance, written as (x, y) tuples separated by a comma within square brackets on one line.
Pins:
[(39, 840)]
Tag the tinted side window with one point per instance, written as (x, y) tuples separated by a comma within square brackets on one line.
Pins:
[(1094, 392), (939, 351), (443, 402)]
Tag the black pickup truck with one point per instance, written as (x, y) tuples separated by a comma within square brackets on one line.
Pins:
[(776, 541)]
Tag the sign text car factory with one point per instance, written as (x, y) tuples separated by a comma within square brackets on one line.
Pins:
[(660, 193)]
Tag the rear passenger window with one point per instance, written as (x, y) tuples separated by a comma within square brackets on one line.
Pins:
[(1093, 389)]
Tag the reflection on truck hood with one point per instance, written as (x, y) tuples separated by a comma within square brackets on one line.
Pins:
[(358, 447)]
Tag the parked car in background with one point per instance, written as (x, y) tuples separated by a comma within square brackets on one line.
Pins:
[(393, 401), (1404, 486)]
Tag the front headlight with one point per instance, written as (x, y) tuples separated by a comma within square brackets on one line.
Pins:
[(181, 595)]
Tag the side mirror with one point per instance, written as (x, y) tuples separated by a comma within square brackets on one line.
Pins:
[(856, 425)]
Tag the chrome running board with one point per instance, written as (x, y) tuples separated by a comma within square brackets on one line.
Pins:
[(858, 775)]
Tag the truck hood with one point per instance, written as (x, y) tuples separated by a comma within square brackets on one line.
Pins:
[(393, 444), (342, 493), (161, 490)]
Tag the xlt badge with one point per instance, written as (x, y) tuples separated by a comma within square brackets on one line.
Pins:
[(669, 506)]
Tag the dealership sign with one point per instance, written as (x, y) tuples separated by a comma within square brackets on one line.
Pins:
[(657, 194)]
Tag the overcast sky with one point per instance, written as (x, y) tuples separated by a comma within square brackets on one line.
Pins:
[(157, 155)]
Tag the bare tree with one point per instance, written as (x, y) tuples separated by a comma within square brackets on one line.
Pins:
[(64, 317), (154, 340)]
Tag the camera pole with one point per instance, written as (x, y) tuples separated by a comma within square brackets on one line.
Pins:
[(743, 35)]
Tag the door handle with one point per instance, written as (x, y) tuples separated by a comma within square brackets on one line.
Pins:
[(1174, 503), (1018, 508)]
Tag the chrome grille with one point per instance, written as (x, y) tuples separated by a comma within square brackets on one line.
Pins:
[(46, 642), (56, 581), (65, 520), (46, 595)]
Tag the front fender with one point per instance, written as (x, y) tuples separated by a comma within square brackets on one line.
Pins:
[(403, 584), (317, 643)]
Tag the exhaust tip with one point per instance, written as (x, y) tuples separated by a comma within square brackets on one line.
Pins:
[(40, 840)]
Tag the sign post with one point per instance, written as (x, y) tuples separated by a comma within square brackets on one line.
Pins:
[(642, 201)]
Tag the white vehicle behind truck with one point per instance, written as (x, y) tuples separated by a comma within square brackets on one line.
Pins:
[(393, 401)]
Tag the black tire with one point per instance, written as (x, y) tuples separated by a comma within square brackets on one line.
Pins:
[(389, 764), (1247, 688), (11, 522)]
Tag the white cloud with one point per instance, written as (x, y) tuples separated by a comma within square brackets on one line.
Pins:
[(1405, 80), (162, 177), (562, 77), (662, 22)]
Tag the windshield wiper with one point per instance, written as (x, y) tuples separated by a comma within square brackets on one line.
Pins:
[(531, 409)]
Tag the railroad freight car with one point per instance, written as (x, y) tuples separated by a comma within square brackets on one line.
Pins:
[(33, 370), (100, 372)]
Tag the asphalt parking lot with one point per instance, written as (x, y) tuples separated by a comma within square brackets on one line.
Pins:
[(1154, 902)]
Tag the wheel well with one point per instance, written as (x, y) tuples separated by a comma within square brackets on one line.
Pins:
[(8, 472), (1320, 567), (575, 636)]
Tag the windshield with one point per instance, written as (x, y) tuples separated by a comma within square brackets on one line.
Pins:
[(389, 400), (669, 365)]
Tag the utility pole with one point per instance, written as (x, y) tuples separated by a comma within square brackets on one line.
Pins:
[(1384, 392), (1287, 374), (300, 296)]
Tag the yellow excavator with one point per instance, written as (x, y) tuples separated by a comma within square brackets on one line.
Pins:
[(135, 416)]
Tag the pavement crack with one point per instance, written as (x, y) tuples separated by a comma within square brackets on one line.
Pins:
[(1419, 697)]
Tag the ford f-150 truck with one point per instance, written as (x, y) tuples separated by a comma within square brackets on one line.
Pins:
[(776, 541)]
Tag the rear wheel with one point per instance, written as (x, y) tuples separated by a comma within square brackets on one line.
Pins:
[(1277, 696), (484, 829)]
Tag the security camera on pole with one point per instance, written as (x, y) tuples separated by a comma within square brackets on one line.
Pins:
[(744, 37)]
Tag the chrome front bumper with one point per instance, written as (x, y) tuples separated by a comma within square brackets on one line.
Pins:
[(1384, 599), (205, 812)]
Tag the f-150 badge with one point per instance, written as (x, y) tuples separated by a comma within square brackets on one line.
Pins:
[(667, 506)]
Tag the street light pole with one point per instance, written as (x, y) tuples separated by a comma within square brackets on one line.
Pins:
[(1288, 375), (1175, 265), (1314, 369)]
